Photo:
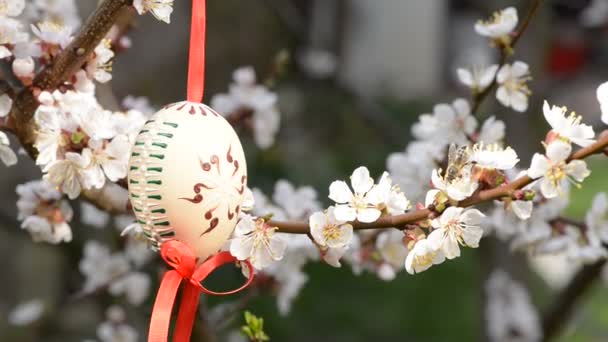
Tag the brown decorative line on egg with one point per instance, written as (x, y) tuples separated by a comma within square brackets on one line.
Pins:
[(221, 189), (196, 199), (212, 225), (192, 108)]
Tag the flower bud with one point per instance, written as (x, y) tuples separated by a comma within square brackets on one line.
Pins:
[(24, 67)]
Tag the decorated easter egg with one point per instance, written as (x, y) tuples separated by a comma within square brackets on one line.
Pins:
[(187, 178)]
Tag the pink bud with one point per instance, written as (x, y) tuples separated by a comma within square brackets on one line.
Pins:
[(551, 136)]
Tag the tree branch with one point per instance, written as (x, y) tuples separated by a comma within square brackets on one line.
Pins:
[(64, 66), (479, 97), (418, 215), (556, 318)]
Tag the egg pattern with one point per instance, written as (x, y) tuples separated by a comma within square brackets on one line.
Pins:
[(187, 177)]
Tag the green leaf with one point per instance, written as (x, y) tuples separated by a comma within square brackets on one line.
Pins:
[(254, 328)]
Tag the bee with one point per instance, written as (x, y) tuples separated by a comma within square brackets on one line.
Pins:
[(458, 158)]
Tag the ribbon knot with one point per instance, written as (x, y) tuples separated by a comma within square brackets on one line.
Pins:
[(183, 261), (180, 258)]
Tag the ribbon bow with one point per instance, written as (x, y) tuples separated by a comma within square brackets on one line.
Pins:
[(183, 261)]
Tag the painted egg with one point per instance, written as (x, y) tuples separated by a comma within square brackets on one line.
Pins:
[(187, 178)]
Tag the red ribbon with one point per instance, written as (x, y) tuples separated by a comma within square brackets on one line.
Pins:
[(177, 255), (196, 59)]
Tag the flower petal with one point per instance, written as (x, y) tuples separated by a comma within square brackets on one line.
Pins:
[(368, 215), (343, 212), (538, 166), (339, 192), (558, 151), (361, 181)]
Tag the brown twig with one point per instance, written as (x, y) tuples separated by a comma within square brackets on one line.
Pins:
[(419, 215), (480, 96)]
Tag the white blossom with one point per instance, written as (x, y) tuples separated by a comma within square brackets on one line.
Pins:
[(11, 32), (555, 269), (135, 286), (71, 174), (26, 313), (27, 49), (44, 213), (290, 280), (318, 63), (522, 209), (53, 33), (493, 157), (568, 127), (447, 124), (595, 14), (7, 155), (139, 103), (297, 202), (92, 216), (61, 11), (362, 205), (5, 105), (332, 256), (477, 78), (11, 8), (422, 256), (456, 226), (596, 218), (100, 66), (129, 123), (457, 189), (510, 313), (392, 249), (137, 250), (555, 169), (100, 267), (4, 52), (512, 89), (263, 206), (256, 241), (43, 229), (393, 199), (536, 231), (386, 272), (500, 25), (110, 159), (492, 131), (245, 95), (160, 9), (409, 169), (602, 98), (329, 232), (24, 67), (504, 222), (115, 329)]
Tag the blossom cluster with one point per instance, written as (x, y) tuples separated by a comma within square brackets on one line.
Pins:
[(458, 157), (253, 102), (260, 243), (80, 144), (511, 79), (118, 272)]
